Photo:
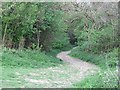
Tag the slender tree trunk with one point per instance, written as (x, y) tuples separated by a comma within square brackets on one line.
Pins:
[(38, 38), (4, 35)]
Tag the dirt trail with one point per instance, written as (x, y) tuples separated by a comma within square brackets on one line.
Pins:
[(82, 66)]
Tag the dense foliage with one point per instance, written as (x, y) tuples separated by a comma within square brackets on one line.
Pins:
[(34, 25)]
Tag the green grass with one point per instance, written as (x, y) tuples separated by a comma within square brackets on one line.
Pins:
[(100, 80), (24, 62), (107, 77), (28, 59)]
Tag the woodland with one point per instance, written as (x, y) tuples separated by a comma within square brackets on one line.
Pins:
[(33, 35)]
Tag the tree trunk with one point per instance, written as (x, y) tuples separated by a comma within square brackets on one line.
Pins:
[(4, 35), (38, 39)]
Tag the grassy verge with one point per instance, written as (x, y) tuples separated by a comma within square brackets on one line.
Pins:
[(18, 63), (107, 77), (27, 58), (103, 79)]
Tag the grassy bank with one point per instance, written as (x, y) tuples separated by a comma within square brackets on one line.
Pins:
[(17, 65), (27, 59), (107, 77)]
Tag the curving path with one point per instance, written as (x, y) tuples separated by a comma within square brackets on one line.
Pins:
[(82, 66)]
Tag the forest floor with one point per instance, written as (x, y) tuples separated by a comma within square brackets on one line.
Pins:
[(60, 76)]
